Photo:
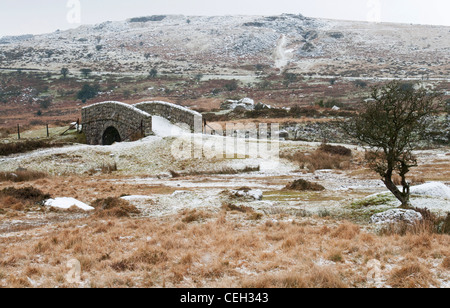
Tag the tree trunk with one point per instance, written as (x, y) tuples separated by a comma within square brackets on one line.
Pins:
[(402, 197)]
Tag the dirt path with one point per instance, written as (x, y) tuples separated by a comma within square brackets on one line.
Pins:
[(281, 59)]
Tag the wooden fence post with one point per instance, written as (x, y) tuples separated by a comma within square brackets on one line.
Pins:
[(18, 131)]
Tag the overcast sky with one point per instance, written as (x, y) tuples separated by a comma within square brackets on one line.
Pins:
[(43, 16)]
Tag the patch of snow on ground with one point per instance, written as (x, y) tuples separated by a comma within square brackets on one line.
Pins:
[(67, 203), (432, 189), (132, 198), (163, 128), (434, 196)]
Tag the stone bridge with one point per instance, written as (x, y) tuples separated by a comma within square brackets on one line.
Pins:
[(109, 122), (174, 113)]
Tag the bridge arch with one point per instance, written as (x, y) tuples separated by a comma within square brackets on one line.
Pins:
[(109, 122), (110, 136)]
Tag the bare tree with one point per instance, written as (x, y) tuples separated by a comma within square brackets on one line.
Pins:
[(64, 72), (390, 124), (85, 72), (153, 73)]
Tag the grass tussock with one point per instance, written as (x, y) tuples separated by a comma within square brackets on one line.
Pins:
[(323, 158), (251, 213), (303, 185), (103, 169), (223, 170), (411, 275), (346, 231), (194, 216), (430, 224), (316, 277), (26, 146), (114, 207), (19, 198), (22, 176), (335, 150)]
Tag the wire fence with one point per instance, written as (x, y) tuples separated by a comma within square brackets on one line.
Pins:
[(47, 134)]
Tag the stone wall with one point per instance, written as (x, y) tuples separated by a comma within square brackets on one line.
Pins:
[(174, 113), (128, 120)]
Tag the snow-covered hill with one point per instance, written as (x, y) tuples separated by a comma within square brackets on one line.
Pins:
[(239, 45)]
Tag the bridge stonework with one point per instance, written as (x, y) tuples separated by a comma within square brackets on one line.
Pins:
[(127, 120), (107, 122), (174, 113)]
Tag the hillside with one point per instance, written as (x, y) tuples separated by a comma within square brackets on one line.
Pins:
[(239, 45)]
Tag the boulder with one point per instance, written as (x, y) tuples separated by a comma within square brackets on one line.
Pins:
[(244, 104), (249, 195), (396, 216)]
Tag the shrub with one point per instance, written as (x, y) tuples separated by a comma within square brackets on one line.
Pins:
[(231, 86), (229, 207), (412, 275), (298, 112), (336, 150), (88, 92), (194, 216), (148, 18), (360, 84), (267, 113), (153, 73), (223, 170), (113, 207), (319, 160), (304, 185), (25, 146), (22, 176), (27, 195), (86, 72)]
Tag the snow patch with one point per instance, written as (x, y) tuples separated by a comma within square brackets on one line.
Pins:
[(432, 189), (67, 203), (164, 128), (136, 197)]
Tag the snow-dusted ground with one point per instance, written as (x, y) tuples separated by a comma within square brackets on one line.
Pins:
[(151, 159), (181, 43)]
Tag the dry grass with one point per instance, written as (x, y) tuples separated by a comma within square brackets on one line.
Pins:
[(304, 185), (203, 248), (26, 146), (113, 207), (222, 170), (316, 277), (411, 275), (22, 176), (430, 224), (103, 169), (335, 150), (20, 198), (319, 160)]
